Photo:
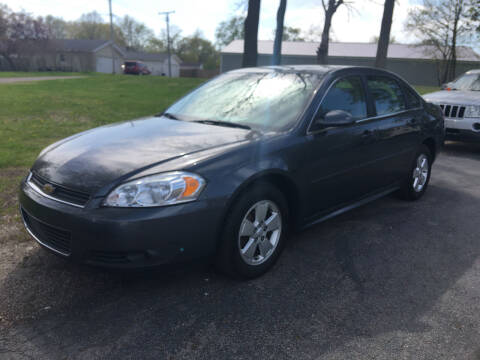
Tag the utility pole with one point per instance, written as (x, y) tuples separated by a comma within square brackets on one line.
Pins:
[(111, 36), (167, 19)]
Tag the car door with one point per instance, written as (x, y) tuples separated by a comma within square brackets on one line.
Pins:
[(398, 127), (338, 160)]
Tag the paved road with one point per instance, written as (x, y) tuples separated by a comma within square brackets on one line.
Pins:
[(391, 280), (36, 78)]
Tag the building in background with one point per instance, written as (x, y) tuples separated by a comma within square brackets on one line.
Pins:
[(416, 64), (66, 55), (78, 55)]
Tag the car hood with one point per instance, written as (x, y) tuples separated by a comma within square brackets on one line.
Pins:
[(95, 158), (454, 97)]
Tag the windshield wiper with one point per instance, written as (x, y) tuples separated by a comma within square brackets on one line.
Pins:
[(168, 115), (223, 123)]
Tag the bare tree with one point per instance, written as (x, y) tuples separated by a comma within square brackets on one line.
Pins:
[(250, 51), (440, 24), (136, 34), (329, 7), (474, 15), (229, 30), (21, 36), (57, 27), (384, 39), (277, 46)]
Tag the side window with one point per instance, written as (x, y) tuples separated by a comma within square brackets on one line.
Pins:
[(347, 94), (413, 100), (387, 95)]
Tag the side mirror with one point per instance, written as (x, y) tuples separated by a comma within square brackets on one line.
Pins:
[(336, 118)]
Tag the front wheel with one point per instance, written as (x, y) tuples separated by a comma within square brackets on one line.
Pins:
[(419, 175), (254, 233)]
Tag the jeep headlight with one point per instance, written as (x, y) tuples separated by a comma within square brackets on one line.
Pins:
[(472, 111), (157, 190)]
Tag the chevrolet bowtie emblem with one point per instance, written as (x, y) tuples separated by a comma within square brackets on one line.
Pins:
[(48, 188)]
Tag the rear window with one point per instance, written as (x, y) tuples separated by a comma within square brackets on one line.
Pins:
[(413, 101), (387, 95)]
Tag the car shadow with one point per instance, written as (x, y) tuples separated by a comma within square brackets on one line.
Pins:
[(379, 270)]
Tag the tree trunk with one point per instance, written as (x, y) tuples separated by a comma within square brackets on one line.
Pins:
[(251, 34), (384, 39), (277, 46), (322, 51), (453, 51)]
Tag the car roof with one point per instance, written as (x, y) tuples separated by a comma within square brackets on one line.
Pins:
[(317, 69), (292, 68), (474, 71)]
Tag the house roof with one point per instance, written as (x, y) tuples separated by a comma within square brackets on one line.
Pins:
[(367, 50), (81, 45), (86, 45)]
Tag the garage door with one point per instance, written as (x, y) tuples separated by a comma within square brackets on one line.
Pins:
[(104, 65)]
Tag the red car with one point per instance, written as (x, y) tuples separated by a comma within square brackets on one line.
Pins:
[(135, 68)]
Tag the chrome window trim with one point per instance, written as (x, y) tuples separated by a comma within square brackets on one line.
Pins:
[(40, 192), (371, 118), (388, 115), (37, 239)]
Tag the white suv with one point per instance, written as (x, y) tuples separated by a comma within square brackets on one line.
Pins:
[(460, 102)]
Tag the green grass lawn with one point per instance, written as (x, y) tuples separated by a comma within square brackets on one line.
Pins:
[(36, 114), (33, 115), (426, 89), (5, 74)]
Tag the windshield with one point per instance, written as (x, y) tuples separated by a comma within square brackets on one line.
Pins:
[(466, 82), (270, 100)]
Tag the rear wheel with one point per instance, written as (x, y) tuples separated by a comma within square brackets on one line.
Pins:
[(254, 233), (419, 175)]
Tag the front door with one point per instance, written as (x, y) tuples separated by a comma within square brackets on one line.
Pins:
[(339, 161)]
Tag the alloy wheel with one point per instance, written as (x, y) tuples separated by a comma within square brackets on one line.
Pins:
[(260, 232), (420, 173)]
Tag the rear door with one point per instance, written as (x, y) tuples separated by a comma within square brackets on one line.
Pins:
[(398, 127)]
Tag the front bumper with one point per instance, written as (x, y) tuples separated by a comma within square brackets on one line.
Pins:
[(122, 237), (464, 129)]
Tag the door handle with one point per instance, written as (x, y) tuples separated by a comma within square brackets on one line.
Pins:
[(412, 121)]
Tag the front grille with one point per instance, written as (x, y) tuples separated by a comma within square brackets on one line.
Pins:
[(61, 192), (453, 111), (52, 237)]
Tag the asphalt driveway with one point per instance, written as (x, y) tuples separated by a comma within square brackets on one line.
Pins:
[(391, 280)]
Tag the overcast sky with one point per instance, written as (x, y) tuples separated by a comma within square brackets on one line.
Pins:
[(359, 25)]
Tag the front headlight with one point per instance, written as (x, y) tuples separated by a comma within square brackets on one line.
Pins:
[(157, 190), (472, 111)]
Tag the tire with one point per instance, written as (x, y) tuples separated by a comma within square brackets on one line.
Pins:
[(248, 247), (418, 177)]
